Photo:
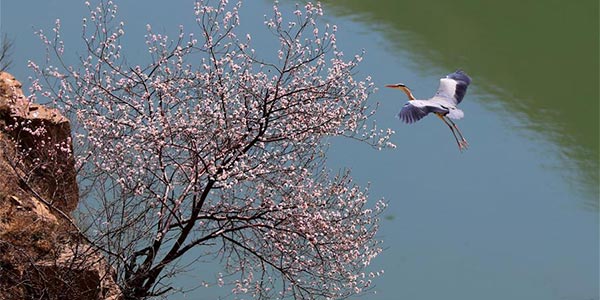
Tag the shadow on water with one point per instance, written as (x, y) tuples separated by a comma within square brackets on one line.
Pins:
[(539, 59)]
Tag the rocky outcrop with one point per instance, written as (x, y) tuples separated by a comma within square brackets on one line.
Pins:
[(42, 137), (42, 253)]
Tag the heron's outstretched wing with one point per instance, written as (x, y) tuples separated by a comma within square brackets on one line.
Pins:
[(415, 110), (454, 86)]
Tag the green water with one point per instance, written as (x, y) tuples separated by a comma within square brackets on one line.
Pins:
[(538, 58)]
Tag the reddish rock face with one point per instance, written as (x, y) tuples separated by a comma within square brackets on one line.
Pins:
[(42, 138), (42, 255)]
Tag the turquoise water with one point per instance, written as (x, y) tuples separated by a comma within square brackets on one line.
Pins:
[(515, 216)]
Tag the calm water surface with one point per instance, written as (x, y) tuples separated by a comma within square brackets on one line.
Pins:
[(515, 216)]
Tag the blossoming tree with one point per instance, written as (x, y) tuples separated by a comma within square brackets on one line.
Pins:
[(216, 147)]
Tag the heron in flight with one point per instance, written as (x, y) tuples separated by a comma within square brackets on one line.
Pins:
[(443, 104)]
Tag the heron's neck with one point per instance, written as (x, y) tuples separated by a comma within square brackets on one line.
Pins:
[(408, 93)]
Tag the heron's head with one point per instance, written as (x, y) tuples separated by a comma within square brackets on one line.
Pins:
[(395, 86), (398, 86)]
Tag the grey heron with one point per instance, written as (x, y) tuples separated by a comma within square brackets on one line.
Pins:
[(443, 104)]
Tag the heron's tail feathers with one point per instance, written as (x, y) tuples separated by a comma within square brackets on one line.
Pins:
[(455, 113)]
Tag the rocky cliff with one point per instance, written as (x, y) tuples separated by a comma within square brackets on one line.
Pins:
[(42, 253)]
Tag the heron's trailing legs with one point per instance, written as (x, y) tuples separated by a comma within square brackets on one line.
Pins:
[(462, 142)]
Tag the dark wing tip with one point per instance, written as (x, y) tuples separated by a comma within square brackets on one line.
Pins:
[(410, 114), (462, 82), (460, 75), (405, 117)]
